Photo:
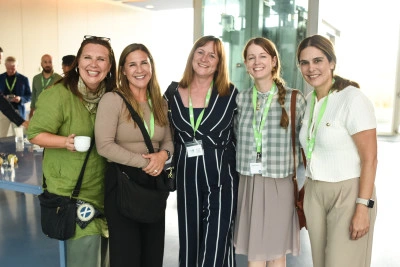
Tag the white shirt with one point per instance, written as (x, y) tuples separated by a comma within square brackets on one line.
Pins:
[(335, 157)]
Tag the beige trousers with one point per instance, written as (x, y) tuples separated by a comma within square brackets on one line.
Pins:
[(88, 251), (329, 208), (6, 128)]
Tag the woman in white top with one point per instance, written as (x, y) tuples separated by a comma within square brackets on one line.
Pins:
[(339, 138)]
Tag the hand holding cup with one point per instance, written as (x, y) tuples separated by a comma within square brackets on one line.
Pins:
[(82, 143)]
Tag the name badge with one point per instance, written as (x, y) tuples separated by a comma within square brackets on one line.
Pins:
[(255, 168), (194, 148)]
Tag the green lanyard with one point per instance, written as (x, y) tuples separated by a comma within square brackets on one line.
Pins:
[(47, 83), (191, 114), (258, 130), (151, 132), (312, 131), (13, 84)]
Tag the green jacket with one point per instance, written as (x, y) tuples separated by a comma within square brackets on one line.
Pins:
[(60, 112)]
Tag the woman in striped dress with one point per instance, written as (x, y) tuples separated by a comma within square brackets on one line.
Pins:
[(202, 109)]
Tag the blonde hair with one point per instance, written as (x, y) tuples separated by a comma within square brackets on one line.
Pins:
[(153, 87), (11, 59), (221, 75)]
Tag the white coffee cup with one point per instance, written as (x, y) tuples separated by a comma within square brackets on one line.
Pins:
[(82, 143)]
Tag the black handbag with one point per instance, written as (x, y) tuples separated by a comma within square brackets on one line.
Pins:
[(58, 213), (139, 202), (139, 196), (166, 180)]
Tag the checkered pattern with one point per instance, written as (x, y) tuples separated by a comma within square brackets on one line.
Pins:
[(277, 159)]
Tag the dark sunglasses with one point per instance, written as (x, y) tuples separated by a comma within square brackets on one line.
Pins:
[(89, 37)]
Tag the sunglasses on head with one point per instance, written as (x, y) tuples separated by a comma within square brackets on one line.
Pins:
[(88, 37)]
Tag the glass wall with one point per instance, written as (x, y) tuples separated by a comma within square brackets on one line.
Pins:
[(367, 47), (236, 21), (362, 55)]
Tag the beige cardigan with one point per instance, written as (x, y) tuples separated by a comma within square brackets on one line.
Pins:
[(118, 140)]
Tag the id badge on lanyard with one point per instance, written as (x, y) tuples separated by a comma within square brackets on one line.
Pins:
[(255, 168), (194, 148)]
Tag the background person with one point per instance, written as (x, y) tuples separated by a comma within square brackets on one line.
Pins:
[(43, 80), (15, 87), (7, 109), (339, 138), (202, 111), (267, 226), (72, 112), (120, 140), (67, 62), (8, 112)]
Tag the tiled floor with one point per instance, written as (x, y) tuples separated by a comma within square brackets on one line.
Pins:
[(22, 243)]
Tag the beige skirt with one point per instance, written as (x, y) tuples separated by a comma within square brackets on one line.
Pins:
[(267, 226)]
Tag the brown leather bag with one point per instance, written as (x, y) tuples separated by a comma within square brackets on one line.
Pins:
[(298, 195)]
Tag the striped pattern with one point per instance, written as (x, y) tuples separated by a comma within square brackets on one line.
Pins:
[(277, 159), (206, 185)]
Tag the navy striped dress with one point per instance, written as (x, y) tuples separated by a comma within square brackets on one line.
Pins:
[(206, 185)]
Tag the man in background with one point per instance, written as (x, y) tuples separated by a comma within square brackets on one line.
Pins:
[(67, 63), (15, 87), (43, 80), (8, 112)]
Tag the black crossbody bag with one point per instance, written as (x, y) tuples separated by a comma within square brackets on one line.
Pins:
[(142, 197), (58, 214)]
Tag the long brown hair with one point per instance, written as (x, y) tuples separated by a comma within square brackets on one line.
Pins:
[(326, 47), (270, 48), (221, 75), (153, 87), (71, 78)]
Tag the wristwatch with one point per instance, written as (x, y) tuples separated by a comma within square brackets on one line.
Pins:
[(367, 202), (168, 153)]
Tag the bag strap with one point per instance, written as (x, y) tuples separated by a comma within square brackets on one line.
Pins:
[(140, 123), (293, 119), (78, 185), (170, 91), (293, 124), (77, 189)]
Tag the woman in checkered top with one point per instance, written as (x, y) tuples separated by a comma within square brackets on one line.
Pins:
[(267, 227)]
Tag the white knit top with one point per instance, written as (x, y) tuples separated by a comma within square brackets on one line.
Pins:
[(335, 157)]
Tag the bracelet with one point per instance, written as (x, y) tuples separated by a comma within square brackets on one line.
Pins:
[(168, 153)]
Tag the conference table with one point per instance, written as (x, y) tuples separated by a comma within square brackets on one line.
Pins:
[(26, 175)]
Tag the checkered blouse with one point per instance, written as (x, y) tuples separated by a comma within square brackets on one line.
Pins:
[(277, 159)]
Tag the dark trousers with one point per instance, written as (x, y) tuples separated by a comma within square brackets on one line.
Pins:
[(132, 244), (206, 216)]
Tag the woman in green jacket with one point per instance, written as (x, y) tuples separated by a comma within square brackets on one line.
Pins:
[(66, 110)]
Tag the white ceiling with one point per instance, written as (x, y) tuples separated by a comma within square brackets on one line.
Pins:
[(159, 4)]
